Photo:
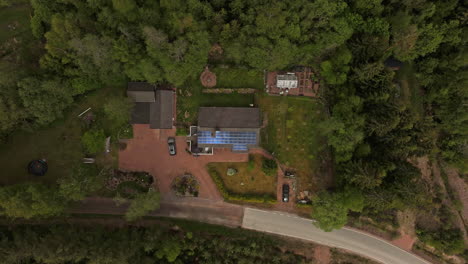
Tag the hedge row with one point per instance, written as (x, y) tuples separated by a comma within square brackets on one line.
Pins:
[(230, 196)]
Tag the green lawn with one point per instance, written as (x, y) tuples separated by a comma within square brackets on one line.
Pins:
[(59, 144), (293, 137), (249, 177), (19, 50), (17, 17), (238, 78), (190, 98)]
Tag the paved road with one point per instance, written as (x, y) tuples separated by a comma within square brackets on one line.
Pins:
[(203, 210), (219, 212), (349, 239)]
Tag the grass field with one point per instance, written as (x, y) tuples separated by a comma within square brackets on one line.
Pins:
[(238, 78), (248, 179), (293, 137), (59, 144), (14, 21)]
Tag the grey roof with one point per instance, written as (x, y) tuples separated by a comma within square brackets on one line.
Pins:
[(162, 111), (153, 107), (140, 86), (229, 117), (141, 113), (141, 92)]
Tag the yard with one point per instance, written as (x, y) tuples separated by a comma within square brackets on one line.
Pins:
[(292, 136), (238, 78), (249, 178), (190, 96), (59, 144)]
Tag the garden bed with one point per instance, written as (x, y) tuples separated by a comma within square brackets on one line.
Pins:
[(249, 183), (185, 185), (129, 184)]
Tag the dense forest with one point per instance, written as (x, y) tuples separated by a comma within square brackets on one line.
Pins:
[(161, 244), (372, 130)]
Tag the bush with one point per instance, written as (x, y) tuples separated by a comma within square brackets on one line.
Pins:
[(248, 197), (118, 110), (143, 204), (251, 164), (269, 166), (94, 141), (130, 189), (449, 241)]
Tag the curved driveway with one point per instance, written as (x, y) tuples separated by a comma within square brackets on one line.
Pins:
[(219, 212), (345, 238)]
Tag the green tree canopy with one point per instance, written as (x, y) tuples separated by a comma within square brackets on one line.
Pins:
[(94, 141), (118, 110), (30, 200), (81, 181), (143, 204)]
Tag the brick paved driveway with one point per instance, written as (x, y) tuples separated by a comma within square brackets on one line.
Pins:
[(148, 151)]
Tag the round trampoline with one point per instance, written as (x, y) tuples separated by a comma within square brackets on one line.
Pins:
[(37, 167)]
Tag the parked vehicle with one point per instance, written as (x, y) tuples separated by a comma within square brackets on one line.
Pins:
[(172, 146), (285, 193), (289, 174)]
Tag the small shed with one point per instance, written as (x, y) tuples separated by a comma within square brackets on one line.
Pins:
[(288, 80)]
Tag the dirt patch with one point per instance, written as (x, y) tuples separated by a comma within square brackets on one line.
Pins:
[(322, 255), (208, 78), (407, 221), (405, 241), (461, 190)]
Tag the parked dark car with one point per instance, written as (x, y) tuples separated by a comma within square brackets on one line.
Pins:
[(285, 193), (172, 146)]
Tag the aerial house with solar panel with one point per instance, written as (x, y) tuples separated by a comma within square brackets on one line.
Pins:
[(236, 128)]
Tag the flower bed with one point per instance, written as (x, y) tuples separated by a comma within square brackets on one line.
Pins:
[(129, 184), (185, 185)]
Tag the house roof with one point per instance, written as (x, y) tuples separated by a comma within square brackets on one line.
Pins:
[(140, 113), (153, 107), (162, 111), (229, 117), (141, 92)]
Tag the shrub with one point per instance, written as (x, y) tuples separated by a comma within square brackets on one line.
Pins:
[(94, 141), (142, 205), (231, 171), (251, 164), (269, 166), (118, 110), (130, 189), (248, 197), (449, 241)]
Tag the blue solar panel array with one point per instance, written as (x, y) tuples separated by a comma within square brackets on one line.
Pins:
[(238, 140)]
